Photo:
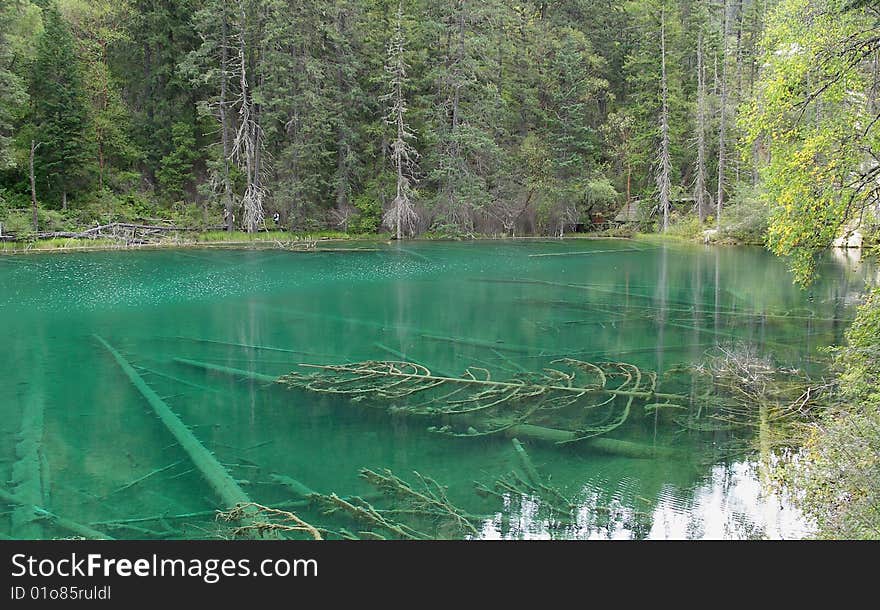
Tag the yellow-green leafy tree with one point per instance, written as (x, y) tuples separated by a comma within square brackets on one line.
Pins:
[(813, 121)]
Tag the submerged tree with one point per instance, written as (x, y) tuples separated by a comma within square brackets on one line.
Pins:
[(401, 216)]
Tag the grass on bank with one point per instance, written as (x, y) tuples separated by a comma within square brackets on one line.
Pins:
[(185, 239)]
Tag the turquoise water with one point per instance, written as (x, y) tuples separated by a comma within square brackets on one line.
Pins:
[(76, 436)]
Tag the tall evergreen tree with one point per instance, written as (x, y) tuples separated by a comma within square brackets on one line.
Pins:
[(160, 36), (59, 112)]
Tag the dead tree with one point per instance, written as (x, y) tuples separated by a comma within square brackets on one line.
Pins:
[(228, 199), (664, 166), (249, 139), (401, 216)]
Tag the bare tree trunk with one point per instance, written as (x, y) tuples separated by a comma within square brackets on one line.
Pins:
[(629, 173), (64, 200), (874, 100), (100, 163), (105, 98), (228, 202), (248, 140), (34, 146), (719, 201), (400, 195), (455, 102), (401, 216), (342, 146), (700, 190), (257, 130), (665, 164)]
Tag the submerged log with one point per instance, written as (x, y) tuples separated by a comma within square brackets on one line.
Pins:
[(250, 346), (27, 471), (298, 489), (227, 370), (526, 462), (41, 513), (600, 444), (224, 485), (220, 480)]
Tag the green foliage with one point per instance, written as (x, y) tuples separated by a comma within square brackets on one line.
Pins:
[(809, 121), (626, 231), (688, 227), (59, 112), (369, 215), (839, 473), (17, 223), (746, 217), (20, 222), (19, 26), (600, 194), (175, 168), (643, 105), (520, 111), (156, 37)]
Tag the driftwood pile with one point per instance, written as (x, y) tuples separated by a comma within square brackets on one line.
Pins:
[(124, 232)]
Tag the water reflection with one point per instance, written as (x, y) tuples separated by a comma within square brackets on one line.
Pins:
[(731, 504)]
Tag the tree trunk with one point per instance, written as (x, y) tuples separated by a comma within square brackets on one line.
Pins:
[(700, 190), (248, 141), (33, 186), (664, 169), (719, 201), (628, 182), (224, 122), (105, 98), (64, 200), (342, 147)]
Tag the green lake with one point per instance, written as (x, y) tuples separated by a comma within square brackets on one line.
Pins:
[(79, 440)]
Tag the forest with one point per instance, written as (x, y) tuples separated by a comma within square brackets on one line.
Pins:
[(477, 117), (721, 121)]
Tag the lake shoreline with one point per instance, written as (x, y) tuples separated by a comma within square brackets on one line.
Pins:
[(295, 242)]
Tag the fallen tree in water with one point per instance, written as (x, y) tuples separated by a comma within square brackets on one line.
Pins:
[(590, 400), (263, 521), (574, 402), (416, 512), (735, 388), (568, 402), (227, 489)]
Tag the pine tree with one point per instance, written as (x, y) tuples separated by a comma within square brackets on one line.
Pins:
[(59, 112), (175, 169), (160, 35)]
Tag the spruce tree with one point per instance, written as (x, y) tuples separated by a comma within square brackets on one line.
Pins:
[(59, 112)]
